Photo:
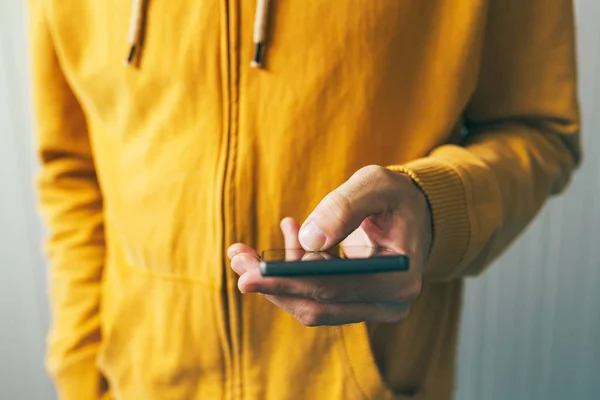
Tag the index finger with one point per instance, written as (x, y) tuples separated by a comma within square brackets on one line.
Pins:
[(374, 288)]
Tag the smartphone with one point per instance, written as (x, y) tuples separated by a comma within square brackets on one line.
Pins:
[(339, 260)]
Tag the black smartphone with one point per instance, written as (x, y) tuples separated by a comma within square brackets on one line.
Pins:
[(339, 260)]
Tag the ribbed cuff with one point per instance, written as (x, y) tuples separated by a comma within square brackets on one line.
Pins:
[(445, 192)]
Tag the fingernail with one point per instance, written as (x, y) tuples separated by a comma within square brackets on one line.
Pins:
[(312, 237)]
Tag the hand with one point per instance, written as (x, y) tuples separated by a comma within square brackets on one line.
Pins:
[(376, 207)]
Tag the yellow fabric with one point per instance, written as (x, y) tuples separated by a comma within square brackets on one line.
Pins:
[(150, 172)]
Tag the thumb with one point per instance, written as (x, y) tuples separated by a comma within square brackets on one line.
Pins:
[(369, 191)]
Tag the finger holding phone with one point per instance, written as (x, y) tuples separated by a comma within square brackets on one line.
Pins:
[(376, 207)]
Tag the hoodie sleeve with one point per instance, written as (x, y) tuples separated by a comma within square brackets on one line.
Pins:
[(71, 205), (522, 141)]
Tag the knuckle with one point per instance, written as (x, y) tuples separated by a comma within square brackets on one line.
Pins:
[(236, 262), (324, 294), (371, 172), (377, 176), (309, 315), (243, 258), (374, 173), (339, 205), (247, 258)]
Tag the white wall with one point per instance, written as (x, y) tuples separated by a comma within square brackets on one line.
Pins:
[(23, 305), (531, 324)]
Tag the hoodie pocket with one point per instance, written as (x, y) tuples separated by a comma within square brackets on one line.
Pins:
[(363, 370), (161, 341)]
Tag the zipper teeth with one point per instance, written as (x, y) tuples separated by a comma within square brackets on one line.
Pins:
[(231, 297), (234, 295), (226, 90)]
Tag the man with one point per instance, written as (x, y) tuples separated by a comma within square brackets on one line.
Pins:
[(437, 129)]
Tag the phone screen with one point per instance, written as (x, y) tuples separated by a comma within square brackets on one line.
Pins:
[(336, 252)]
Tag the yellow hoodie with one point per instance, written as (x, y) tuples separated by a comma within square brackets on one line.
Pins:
[(151, 170)]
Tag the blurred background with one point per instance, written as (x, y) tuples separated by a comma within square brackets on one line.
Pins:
[(531, 324)]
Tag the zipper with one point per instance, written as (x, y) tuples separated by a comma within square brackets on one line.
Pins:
[(230, 295)]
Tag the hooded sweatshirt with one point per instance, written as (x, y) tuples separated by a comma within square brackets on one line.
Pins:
[(168, 130)]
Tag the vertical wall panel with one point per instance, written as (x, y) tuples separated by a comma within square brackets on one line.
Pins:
[(531, 324), (23, 304)]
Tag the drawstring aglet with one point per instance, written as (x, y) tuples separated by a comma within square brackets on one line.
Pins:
[(129, 60), (260, 33), (136, 28), (257, 61)]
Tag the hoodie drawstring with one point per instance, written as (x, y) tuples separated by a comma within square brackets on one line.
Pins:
[(136, 31), (138, 20), (260, 32)]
